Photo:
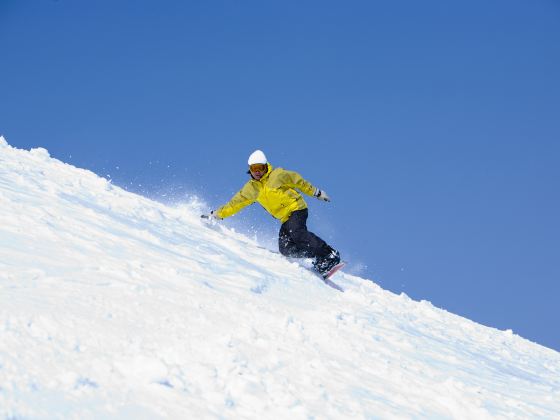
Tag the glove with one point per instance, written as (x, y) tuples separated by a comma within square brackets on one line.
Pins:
[(212, 216), (322, 195)]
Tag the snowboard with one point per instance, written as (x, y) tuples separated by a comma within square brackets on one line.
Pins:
[(327, 277)]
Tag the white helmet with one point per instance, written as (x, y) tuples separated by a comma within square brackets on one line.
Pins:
[(257, 157)]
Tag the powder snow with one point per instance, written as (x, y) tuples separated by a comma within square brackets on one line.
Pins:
[(116, 306)]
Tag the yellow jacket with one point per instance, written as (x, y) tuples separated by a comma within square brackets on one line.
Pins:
[(275, 191)]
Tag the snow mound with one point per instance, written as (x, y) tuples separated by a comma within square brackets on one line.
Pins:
[(113, 305)]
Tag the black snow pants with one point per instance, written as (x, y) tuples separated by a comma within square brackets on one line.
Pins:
[(296, 241)]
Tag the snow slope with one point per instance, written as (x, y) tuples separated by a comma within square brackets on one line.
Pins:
[(115, 306)]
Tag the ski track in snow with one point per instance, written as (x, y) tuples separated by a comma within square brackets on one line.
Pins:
[(116, 306)]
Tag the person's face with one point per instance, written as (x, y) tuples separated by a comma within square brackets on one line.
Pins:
[(258, 170)]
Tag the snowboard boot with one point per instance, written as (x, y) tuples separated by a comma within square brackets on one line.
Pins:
[(325, 264)]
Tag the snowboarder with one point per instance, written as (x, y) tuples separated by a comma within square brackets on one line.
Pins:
[(275, 190)]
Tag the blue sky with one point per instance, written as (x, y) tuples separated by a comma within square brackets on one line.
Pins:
[(433, 125)]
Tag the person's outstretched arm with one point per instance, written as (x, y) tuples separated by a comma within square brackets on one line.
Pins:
[(246, 196), (295, 180)]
